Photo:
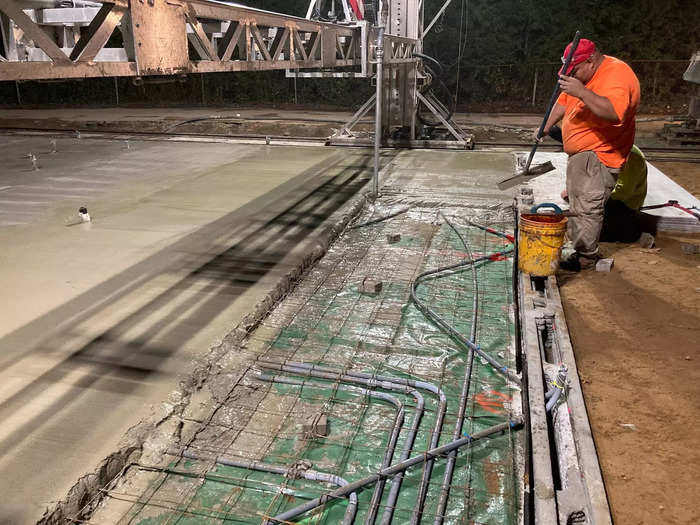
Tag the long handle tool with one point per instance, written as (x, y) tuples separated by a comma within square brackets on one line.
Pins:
[(528, 173)]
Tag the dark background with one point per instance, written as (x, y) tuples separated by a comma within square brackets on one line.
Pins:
[(491, 51)]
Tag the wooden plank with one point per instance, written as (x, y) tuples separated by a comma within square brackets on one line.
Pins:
[(545, 512), (590, 472), (314, 44), (328, 48), (339, 48), (299, 44), (262, 18), (350, 50), (207, 66)]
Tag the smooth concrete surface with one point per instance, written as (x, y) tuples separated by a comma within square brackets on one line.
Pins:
[(660, 189), (98, 319)]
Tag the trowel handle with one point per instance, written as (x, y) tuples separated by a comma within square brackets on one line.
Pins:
[(556, 208), (557, 87), (553, 98)]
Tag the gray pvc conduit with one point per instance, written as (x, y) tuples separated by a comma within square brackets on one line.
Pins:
[(314, 371), (311, 475), (553, 399), (557, 388), (437, 429), (391, 445), (394, 469), (459, 424)]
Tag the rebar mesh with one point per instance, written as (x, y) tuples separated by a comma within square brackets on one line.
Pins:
[(328, 321)]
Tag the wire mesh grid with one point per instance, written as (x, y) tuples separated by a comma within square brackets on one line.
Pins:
[(328, 321)]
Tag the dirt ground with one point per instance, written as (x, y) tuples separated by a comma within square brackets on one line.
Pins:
[(635, 333)]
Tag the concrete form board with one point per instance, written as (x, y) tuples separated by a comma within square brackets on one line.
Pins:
[(585, 446), (542, 482), (582, 487)]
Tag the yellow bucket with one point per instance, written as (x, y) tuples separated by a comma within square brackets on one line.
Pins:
[(540, 242)]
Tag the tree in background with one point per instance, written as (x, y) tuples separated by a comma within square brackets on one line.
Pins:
[(491, 51)]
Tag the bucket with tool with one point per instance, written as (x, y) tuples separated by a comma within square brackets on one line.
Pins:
[(541, 237)]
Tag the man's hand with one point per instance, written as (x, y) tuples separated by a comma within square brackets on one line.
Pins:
[(538, 139), (572, 86)]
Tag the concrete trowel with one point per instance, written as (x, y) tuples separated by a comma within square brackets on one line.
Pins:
[(528, 172)]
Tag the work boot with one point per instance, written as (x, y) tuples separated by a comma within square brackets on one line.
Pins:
[(577, 262)]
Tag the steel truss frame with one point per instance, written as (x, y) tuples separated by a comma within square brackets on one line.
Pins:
[(176, 37), (156, 34)]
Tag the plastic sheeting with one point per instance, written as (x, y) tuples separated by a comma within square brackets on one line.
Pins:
[(328, 321)]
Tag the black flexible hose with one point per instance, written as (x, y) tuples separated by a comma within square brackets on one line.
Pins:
[(454, 334), (430, 59), (437, 75), (464, 396)]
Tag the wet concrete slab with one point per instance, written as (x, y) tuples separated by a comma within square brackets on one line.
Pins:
[(100, 319), (328, 320)]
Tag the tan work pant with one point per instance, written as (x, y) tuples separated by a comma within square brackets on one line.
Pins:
[(589, 184)]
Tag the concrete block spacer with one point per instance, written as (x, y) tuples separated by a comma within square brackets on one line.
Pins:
[(370, 286), (316, 426), (604, 265), (646, 240), (393, 238), (689, 248)]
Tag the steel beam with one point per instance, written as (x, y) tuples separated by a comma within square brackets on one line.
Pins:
[(98, 32), (44, 70), (33, 32), (156, 34)]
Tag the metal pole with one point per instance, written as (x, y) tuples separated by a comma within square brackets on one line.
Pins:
[(378, 109), (534, 87), (19, 98), (435, 18), (295, 86), (310, 10), (116, 90)]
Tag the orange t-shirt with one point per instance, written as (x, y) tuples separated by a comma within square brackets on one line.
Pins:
[(583, 131)]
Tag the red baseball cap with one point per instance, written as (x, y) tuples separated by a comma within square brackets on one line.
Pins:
[(583, 52)]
